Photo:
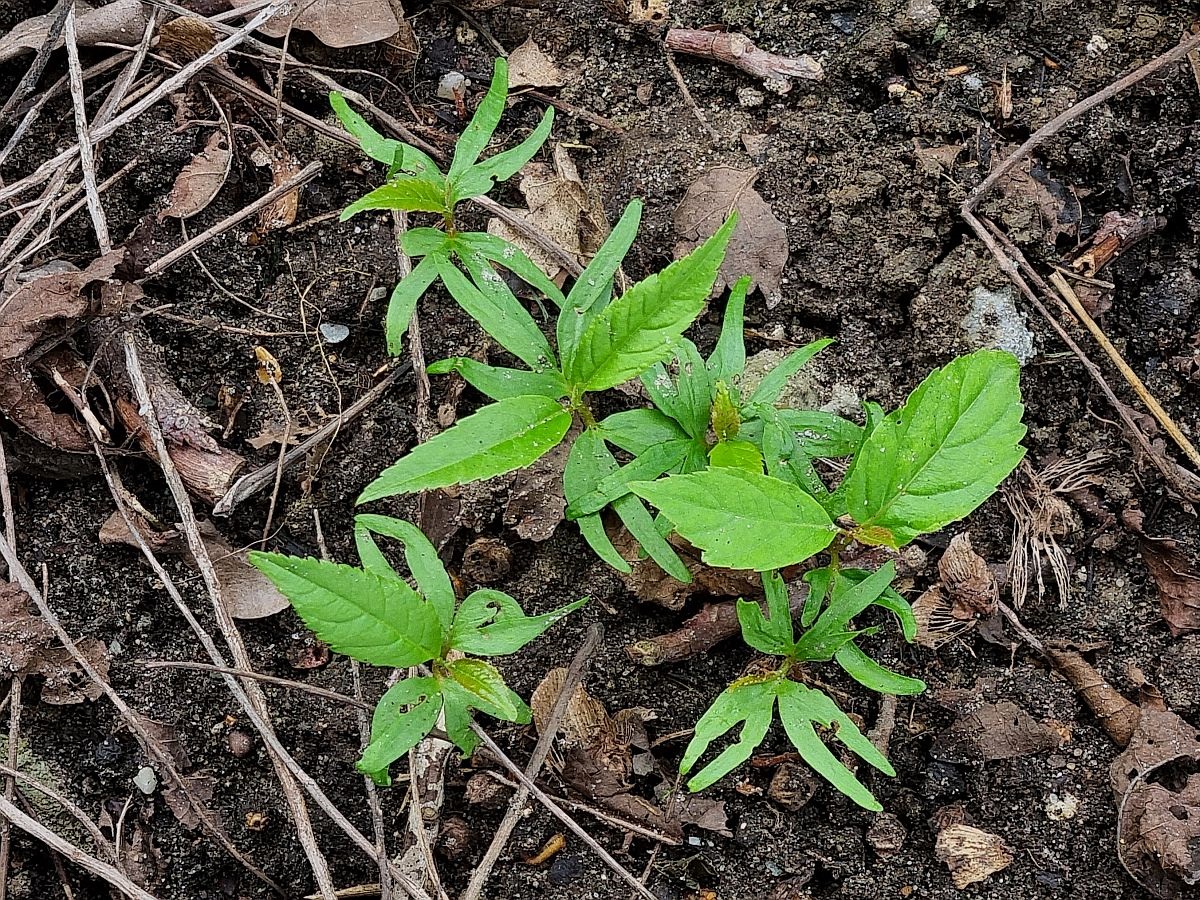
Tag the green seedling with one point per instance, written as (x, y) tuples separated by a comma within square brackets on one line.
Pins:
[(372, 615), (914, 471), (462, 260)]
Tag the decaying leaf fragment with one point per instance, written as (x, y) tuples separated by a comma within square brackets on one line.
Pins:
[(199, 182), (530, 66), (759, 245), (1177, 577), (965, 595), (971, 854), (28, 646), (335, 23), (119, 22), (993, 731)]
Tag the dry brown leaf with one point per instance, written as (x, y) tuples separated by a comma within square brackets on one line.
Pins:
[(994, 731), (759, 245), (248, 594), (335, 23), (530, 66), (281, 212), (198, 184), (1177, 577), (120, 22), (28, 646), (535, 498), (275, 434), (651, 584), (971, 854), (1034, 205)]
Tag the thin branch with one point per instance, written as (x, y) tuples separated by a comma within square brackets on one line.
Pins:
[(87, 151), (76, 813), (541, 750), (313, 689), (10, 783)]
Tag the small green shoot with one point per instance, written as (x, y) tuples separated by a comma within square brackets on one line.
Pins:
[(372, 615)]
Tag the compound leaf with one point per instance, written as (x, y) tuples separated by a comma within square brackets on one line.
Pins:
[(392, 153), (774, 635), (654, 462), (513, 258), (377, 620), (870, 674), (944, 452), (499, 438), (491, 623), (482, 125), (480, 178), (740, 519)]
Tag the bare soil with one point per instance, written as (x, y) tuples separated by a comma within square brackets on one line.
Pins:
[(879, 260)]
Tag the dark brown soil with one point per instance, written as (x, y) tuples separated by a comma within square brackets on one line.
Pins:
[(879, 260)]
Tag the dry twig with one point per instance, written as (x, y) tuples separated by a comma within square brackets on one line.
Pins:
[(87, 151)]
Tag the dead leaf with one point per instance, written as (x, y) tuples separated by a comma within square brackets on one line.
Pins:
[(530, 66), (198, 184), (759, 245), (281, 212), (28, 646), (652, 585), (1177, 577), (994, 731), (119, 22), (562, 207), (1034, 205), (248, 594), (971, 854), (276, 434), (175, 793), (335, 23), (535, 498)]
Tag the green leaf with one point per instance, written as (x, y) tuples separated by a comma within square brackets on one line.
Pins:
[(395, 731), (695, 391), (729, 356), (890, 600), (799, 707), (773, 635), (749, 700), (408, 194), (391, 153), (654, 462), (481, 177), (637, 519), (480, 686), (456, 709), (376, 620), (785, 460), (421, 556), (500, 383), (499, 438), (776, 380), (848, 598), (404, 299), (736, 455), (637, 430), (482, 125), (487, 300), (513, 258), (587, 464), (822, 435), (742, 520), (640, 327), (944, 452), (595, 283), (871, 674), (491, 623), (818, 589), (424, 241)]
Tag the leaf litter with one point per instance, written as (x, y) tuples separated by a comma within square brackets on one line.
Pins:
[(199, 182)]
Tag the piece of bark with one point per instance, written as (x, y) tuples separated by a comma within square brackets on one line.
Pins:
[(738, 50), (1118, 232)]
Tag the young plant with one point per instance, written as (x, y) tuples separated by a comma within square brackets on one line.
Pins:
[(704, 414), (916, 470), (462, 260), (602, 342), (372, 615)]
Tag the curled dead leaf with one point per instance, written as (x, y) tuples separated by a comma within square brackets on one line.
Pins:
[(759, 245), (1177, 578), (335, 23), (198, 184), (281, 212), (971, 854)]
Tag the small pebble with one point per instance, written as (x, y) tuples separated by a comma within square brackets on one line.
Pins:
[(1060, 809), (452, 85), (240, 743), (566, 869), (145, 780), (1096, 45), (750, 98), (333, 333)]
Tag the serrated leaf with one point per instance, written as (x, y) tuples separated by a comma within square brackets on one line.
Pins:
[(377, 620), (870, 674), (637, 430), (799, 707), (749, 700), (513, 258), (595, 283), (482, 125), (404, 299), (487, 300), (776, 380), (422, 558), (481, 177), (729, 356), (480, 686), (742, 520), (944, 452), (491, 623), (499, 438), (640, 327), (849, 597), (392, 153), (395, 731), (821, 435), (654, 462), (588, 462), (637, 519), (736, 455), (407, 194), (501, 383)]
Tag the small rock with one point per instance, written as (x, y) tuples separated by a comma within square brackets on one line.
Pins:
[(452, 86), (109, 751), (455, 837), (566, 869), (993, 321), (145, 780), (750, 98), (1097, 45), (644, 92), (240, 743), (1060, 809), (483, 790), (487, 561), (792, 786), (922, 15), (333, 333), (256, 821), (886, 835)]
